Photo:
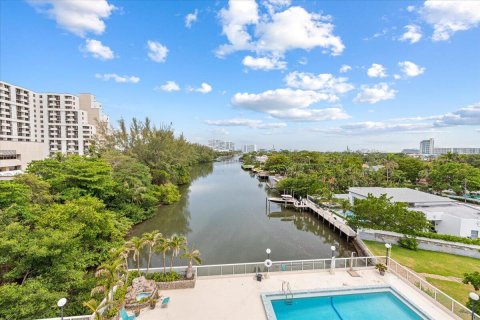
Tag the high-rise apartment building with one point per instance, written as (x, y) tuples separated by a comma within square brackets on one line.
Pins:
[(249, 148), (220, 145), (34, 125), (427, 146)]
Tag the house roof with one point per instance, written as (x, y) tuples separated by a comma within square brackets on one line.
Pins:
[(401, 195)]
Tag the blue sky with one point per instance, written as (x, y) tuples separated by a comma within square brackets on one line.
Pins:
[(318, 75)]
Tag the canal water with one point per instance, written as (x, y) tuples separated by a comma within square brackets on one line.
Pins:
[(223, 214)]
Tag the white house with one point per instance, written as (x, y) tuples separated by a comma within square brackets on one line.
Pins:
[(446, 215)]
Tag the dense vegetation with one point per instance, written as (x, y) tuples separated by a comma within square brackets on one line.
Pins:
[(324, 174), (60, 220)]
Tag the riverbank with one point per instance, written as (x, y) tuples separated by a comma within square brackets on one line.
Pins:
[(223, 214)]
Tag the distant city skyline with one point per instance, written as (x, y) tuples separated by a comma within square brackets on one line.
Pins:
[(307, 75)]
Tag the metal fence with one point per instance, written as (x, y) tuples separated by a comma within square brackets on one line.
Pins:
[(278, 266), (315, 265), (445, 300), (87, 317)]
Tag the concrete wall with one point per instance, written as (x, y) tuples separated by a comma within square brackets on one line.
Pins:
[(28, 152), (460, 249)]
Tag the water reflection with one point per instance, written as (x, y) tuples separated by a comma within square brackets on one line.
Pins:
[(223, 213)]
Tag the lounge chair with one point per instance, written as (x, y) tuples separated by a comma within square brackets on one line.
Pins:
[(165, 302), (124, 315)]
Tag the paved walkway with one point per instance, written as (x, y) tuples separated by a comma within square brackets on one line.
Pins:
[(238, 297)]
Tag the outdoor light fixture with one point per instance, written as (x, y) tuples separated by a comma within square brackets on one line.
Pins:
[(268, 251), (388, 246), (332, 264), (61, 303), (474, 298)]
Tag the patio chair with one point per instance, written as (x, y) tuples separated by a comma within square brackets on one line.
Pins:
[(124, 315), (165, 302)]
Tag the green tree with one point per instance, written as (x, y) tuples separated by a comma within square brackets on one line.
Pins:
[(192, 256), (151, 239), (163, 247), (177, 243), (135, 246)]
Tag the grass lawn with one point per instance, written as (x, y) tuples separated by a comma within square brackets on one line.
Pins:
[(457, 291), (423, 261), (444, 264)]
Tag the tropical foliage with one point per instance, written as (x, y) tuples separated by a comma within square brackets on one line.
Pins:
[(68, 215)]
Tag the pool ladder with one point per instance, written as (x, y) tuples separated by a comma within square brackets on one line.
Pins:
[(287, 292)]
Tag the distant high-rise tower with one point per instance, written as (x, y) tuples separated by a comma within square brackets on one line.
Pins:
[(427, 146)]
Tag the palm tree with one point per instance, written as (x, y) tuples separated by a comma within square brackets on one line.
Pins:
[(135, 245), (108, 275), (150, 239), (163, 246), (94, 306), (177, 243), (193, 255)]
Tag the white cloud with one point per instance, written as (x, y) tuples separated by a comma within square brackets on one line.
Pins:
[(467, 116), (413, 33), (169, 86), (242, 122), (235, 20), (276, 32), (290, 104), (191, 18), (345, 68), (448, 17), (375, 93), (375, 127), (410, 69), (157, 51), (303, 61), (376, 71), (411, 8), (119, 79), (264, 63), (204, 88), (397, 76), (98, 50), (78, 17), (324, 82)]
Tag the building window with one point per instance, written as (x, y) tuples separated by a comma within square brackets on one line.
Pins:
[(474, 234)]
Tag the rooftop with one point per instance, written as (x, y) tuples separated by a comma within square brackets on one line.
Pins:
[(239, 297), (457, 209), (401, 195)]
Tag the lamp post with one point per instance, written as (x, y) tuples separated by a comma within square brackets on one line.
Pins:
[(388, 246), (474, 298), (332, 264), (268, 262), (61, 303)]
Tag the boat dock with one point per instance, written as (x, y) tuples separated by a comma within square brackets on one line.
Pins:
[(326, 216)]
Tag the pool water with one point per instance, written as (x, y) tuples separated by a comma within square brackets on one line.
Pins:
[(142, 295), (365, 306)]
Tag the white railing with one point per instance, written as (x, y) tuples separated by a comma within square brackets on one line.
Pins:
[(277, 266), (86, 317), (442, 298)]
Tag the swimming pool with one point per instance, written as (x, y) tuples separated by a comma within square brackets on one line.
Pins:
[(380, 303)]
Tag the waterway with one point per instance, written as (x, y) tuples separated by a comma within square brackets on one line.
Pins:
[(223, 214)]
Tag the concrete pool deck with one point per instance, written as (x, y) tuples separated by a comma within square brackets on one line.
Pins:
[(239, 297)]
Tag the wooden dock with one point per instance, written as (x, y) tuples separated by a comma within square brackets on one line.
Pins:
[(327, 217)]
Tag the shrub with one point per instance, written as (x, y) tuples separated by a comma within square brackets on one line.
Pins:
[(447, 237), (408, 242), (164, 277), (381, 267)]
